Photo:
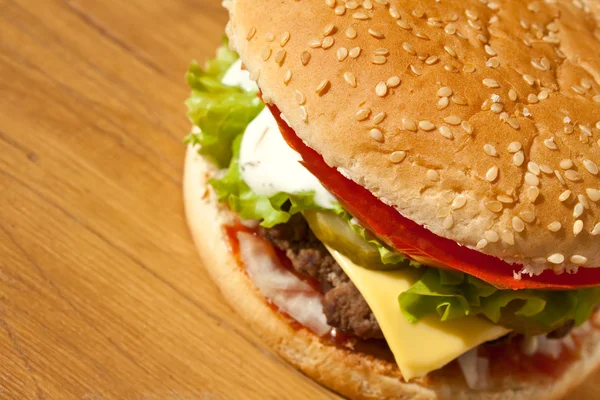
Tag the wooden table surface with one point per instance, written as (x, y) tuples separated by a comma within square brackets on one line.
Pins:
[(102, 295)]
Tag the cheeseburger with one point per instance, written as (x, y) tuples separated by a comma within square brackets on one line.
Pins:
[(402, 198)]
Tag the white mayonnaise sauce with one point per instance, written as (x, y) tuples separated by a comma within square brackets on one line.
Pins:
[(269, 166)]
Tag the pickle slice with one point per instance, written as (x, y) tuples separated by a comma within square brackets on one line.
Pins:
[(335, 232)]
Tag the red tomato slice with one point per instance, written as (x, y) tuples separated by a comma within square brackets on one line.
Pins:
[(410, 238)]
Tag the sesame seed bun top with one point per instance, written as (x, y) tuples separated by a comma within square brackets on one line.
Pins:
[(478, 119)]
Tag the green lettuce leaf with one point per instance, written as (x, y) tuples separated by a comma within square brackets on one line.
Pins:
[(221, 112), (453, 295)]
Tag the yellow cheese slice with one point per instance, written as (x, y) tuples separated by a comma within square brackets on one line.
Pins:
[(424, 346)]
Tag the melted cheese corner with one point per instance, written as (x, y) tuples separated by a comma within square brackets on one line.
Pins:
[(426, 345)]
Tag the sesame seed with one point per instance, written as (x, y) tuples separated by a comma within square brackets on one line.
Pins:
[(394, 13), (450, 29), (466, 127), (564, 196), (305, 57), (381, 52), (397, 156), (376, 134), (378, 60), (351, 33), (569, 129), (494, 206), (566, 163), (577, 227), (288, 77), (546, 169), (578, 210), (450, 51), (409, 48), (431, 60), (351, 5), (269, 36), (285, 37), (532, 193), (426, 125), (527, 216), (518, 224), (490, 83), (314, 43), (513, 123), (442, 103), (459, 202), (322, 87), (489, 50), (266, 54), (444, 91), (409, 124), (432, 175), (368, 4), (591, 167), (448, 222), (585, 130), (360, 16), (475, 25), (328, 30), (328, 42), (416, 70), (554, 226), (376, 34), (280, 56), (490, 150), (330, 3), (549, 143), (533, 167), (304, 114), (593, 194), (481, 244), (532, 98), (354, 52), (518, 158), (491, 174), (251, 33), (491, 236), (342, 53), (457, 99), (493, 63), (418, 13), (381, 89), (531, 179), (393, 81), (379, 117), (496, 108), (300, 98), (403, 24), (350, 79), (468, 68), (445, 132), (583, 201), (513, 147), (596, 230), (505, 199), (556, 258), (452, 120), (578, 260), (572, 175), (508, 237), (512, 95), (362, 114), (450, 68)]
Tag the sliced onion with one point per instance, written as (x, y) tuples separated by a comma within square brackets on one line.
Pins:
[(475, 369), (284, 289)]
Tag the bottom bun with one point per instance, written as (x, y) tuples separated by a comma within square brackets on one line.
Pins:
[(352, 374)]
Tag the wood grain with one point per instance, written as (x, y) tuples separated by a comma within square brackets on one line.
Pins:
[(101, 292)]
